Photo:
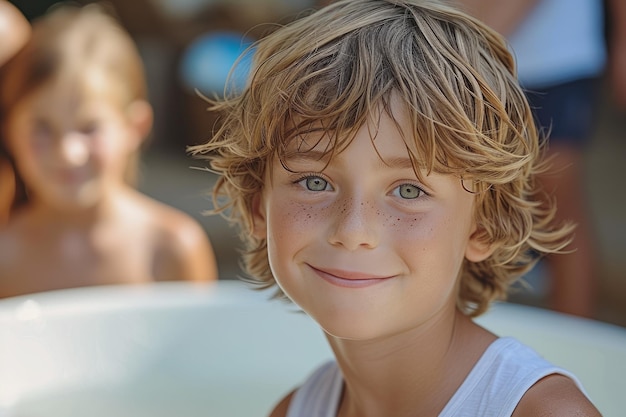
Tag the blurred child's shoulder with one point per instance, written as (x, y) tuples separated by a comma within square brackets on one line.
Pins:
[(171, 226), (9, 245), (23, 225), (179, 241)]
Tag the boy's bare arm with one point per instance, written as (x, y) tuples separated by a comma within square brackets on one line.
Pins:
[(282, 407), (555, 396), (502, 15)]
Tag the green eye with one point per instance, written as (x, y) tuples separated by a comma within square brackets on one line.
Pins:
[(316, 184), (409, 191)]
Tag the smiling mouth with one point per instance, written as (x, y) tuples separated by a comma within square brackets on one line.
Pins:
[(349, 279)]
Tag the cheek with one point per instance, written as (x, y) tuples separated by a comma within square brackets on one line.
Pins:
[(406, 225), (289, 220), (110, 149), (414, 236), (431, 236), (31, 160), (105, 146), (291, 228)]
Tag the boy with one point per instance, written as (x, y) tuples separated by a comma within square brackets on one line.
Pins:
[(380, 163)]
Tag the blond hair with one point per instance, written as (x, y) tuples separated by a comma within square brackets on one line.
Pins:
[(72, 37), (469, 117), (66, 41)]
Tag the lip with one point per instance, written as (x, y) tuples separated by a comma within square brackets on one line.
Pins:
[(348, 279)]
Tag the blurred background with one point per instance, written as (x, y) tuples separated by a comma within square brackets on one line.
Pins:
[(189, 46)]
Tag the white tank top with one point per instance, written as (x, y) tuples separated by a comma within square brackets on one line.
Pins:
[(493, 388)]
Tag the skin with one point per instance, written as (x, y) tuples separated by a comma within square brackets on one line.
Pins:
[(72, 140), (14, 32), (378, 270), (369, 231)]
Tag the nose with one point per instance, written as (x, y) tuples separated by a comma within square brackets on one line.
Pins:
[(354, 225), (74, 149)]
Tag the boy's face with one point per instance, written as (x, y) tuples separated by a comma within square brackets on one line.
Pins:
[(71, 140), (361, 245)]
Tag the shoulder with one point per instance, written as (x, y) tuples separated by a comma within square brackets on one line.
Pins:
[(181, 245), (8, 247), (555, 396), (14, 238), (178, 229), (280, 410), (20, 244)]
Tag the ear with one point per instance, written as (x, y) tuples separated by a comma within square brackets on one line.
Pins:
[(140, 117), (477, 247), (259, 219)]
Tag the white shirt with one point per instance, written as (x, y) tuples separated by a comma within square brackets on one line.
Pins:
[(493, 388)]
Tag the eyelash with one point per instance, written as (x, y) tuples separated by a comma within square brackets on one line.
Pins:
[(309, 175), (421, 192)]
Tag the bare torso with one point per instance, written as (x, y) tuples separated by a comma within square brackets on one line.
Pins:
[(137, 240)]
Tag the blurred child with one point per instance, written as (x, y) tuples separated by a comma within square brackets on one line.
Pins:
[(14, 31), (73, 117), (381, 163)]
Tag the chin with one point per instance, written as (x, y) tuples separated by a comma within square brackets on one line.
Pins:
[(347, 327), (76, 203), (85, 197), (350, 333)]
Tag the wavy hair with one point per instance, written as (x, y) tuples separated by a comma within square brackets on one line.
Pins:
[(334, 69)]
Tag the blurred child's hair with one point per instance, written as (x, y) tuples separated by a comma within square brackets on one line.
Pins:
[(69, 40), (339, 68)]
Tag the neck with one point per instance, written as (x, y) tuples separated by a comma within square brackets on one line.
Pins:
[(78, 217), (409, 374)]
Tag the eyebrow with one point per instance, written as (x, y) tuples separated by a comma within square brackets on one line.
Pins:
[(309, 155), (401, 162)]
